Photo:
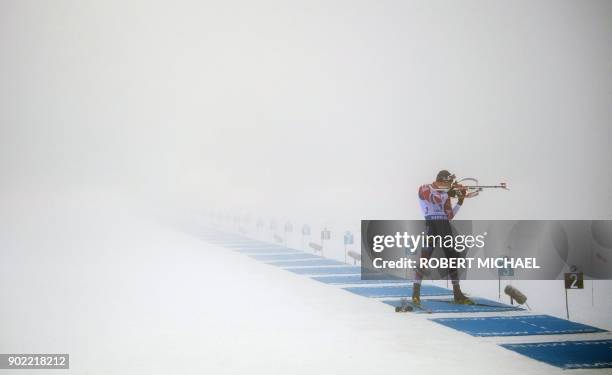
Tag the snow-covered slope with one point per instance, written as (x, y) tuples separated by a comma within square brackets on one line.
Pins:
[(123, 294)]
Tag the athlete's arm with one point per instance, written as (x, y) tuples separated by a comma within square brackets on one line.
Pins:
[(450, 210)]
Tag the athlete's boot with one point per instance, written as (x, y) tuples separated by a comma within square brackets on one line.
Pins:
[(460, 298), (416, 294)]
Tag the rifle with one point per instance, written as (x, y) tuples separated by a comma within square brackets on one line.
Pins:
[(458, 189)]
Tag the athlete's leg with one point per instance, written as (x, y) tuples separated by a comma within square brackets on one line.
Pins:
[(445, 229), (426, 253), (450, 252), (416, 285)]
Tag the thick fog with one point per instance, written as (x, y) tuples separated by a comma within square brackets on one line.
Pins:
[(116, 114), (322, 110)]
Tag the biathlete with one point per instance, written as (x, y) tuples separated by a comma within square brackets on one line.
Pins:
[(437, 208)]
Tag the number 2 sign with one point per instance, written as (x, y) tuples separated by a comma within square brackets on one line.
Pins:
[(574, 280)]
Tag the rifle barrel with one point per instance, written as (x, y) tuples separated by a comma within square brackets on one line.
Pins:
[(478, 187)]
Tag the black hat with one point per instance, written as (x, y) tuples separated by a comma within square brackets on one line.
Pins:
[(445, 175)]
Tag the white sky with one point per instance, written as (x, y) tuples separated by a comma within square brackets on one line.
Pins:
[(335, 109)]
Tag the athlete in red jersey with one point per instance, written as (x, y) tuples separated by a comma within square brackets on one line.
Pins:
[(437, 208)]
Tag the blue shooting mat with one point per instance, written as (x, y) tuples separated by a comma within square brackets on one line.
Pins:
[(568, 354), (279, 257), (398, 291), (526, 325), (251, 245), (306, 263), (348, 270), (268, 250), (355, 279), (438, 305)]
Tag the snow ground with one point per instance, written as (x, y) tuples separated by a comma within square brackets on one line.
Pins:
[(124, 294), (592, 305)]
